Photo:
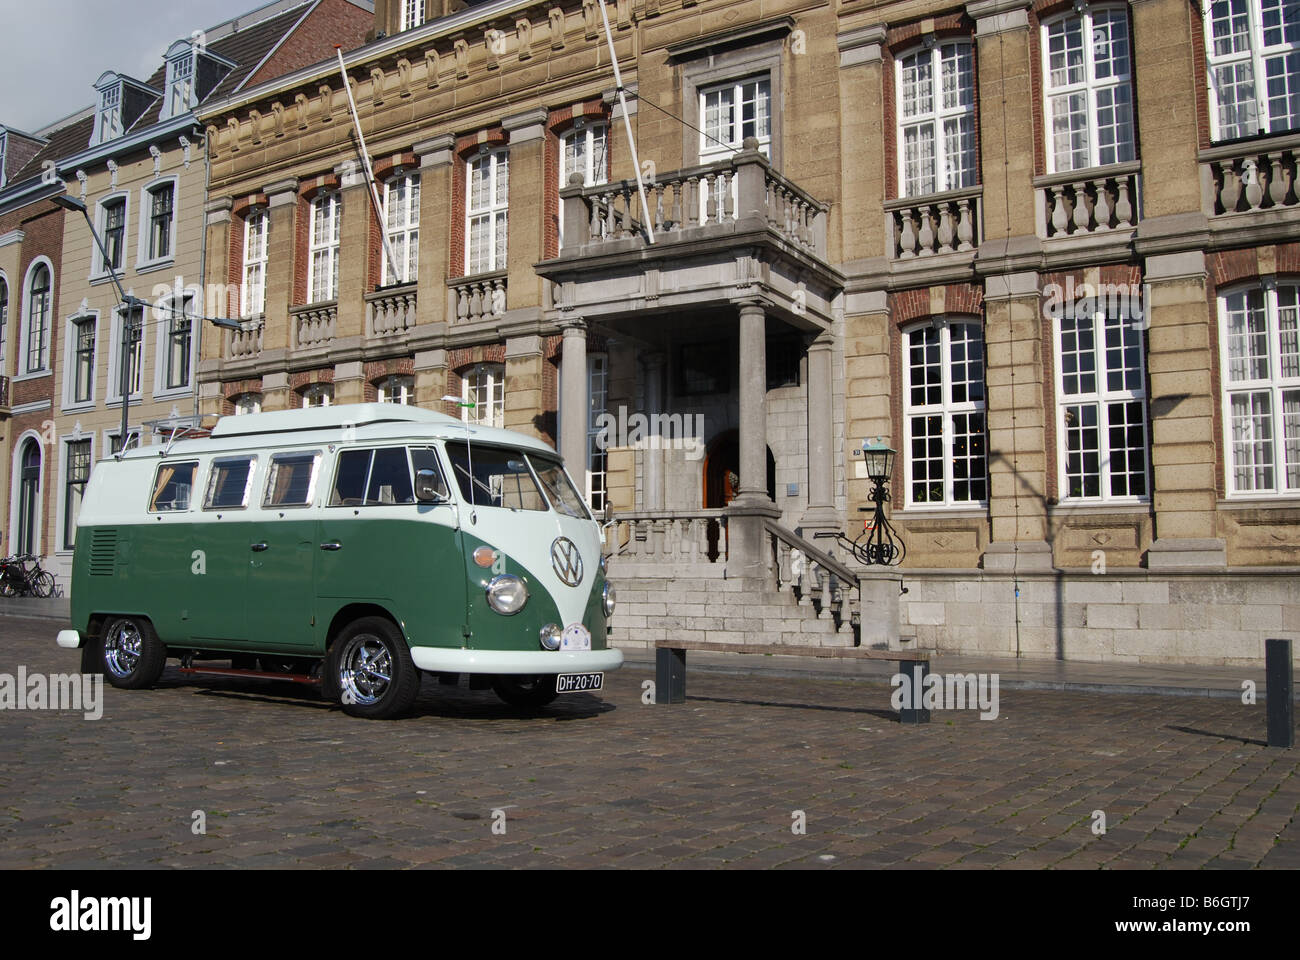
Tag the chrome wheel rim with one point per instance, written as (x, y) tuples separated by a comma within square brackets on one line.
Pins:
[(122, 648), (366, 669)]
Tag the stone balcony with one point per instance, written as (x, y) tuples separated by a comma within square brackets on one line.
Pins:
[(314, 324), (4, 397), (1250, 188), (717, 233), (246, 342), (476, 298), (391, 311), (935, 225)]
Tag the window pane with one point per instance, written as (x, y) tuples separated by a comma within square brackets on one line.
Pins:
[(1247, 323), (1282, 81), (290, 483), (1065, 53), (927, 459), (1252, 440), (1078, 356), (1082, 451), (564, 499), (228, 488), (969, 459), (350, 478), (501, 478), (1127, 446), (390, 479), (1291, 437), (172, 485)]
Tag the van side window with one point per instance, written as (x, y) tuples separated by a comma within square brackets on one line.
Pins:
[(292, 480), (228, 486), (171, 487), (373, 478)]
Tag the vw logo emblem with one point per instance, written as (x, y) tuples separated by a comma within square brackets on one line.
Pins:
[(567, 561)]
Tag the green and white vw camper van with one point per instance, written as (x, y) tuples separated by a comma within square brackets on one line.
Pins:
[(350, 546)]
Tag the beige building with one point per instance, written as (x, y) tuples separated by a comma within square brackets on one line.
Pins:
[(140, 170), (1045, 250)]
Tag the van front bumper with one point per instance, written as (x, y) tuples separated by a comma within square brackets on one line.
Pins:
[(69, 639), (444, 660)]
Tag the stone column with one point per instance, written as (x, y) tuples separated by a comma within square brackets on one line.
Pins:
[(527, 173), (435, 211), (524, 403), (354, 247), (431, 379), (1016, 424), (282, 204), (1006, 99), (821, 514), (1181, 409), (575, 399), (749, 557), (652, 492)]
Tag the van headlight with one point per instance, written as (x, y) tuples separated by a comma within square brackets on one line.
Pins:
[(507, 594), (550, 636), (608, 598)]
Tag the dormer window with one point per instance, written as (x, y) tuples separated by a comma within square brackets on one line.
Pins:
[(180, 83), (108, 124), (412, 14)]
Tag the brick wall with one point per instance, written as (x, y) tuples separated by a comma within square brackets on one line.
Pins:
[(331, 22)]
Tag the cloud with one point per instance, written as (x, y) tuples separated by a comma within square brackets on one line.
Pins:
[(54, 50)]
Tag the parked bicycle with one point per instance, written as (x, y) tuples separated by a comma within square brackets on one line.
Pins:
[(22, 576)]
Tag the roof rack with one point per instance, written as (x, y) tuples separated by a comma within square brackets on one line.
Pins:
[(326, 418)]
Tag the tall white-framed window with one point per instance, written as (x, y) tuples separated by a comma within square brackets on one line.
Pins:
[(484, 386), (246, 403), (4, 148), (936, 118), (257, 228), (76, 474), (112, 229), (79, 378), (180, 83), (135, 362), (318, 395), (326, 225), (108, 116), (412, 14), (176, 343), (4, 323), (584, 150), (944, 429), (397, 389), (36, 353), (1253, 50), (487, 211), (597, 463), (1088, 89), (1101, 407), (402, 220), (159, 222), (1259, 328)]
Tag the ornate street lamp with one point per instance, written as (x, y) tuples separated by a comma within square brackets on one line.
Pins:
[(879, 543)]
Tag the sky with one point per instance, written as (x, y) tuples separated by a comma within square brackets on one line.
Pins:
[(52, 51)]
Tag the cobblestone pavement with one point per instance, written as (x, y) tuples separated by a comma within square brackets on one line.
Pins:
[(286, 780)]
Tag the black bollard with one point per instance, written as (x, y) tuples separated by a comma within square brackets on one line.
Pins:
[(1279, 681)]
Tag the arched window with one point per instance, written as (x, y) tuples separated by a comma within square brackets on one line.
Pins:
[(1088, 91), (397, 389), (318, 395), (247, 403), (38, 319), (29, 498), (484, 386), (936, 118), (943, 413)]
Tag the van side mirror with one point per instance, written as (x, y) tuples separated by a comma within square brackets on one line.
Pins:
[(430, 487)]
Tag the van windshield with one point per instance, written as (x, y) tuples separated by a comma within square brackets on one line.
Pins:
[(558, 489), (500, 478)]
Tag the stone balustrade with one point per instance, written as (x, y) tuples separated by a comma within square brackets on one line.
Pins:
[(314, 324), (822, 585), (391, 311), (4, 393), (246, 342), (1089, 201), (742, 189), (694, 537), (949, 222), (1248, 178), (480, 297)]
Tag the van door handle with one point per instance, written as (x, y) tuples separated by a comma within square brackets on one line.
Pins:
[(332, 545), (259, 547)]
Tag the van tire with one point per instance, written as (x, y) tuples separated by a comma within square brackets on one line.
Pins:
[(372, 642), (528, 692), (127, 652)]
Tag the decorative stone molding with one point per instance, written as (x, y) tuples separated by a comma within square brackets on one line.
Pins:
[(862, 45)]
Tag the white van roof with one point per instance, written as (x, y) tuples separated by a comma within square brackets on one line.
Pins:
[(363, 421)]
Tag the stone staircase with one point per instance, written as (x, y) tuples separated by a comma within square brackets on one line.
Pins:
[(670, 570)]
